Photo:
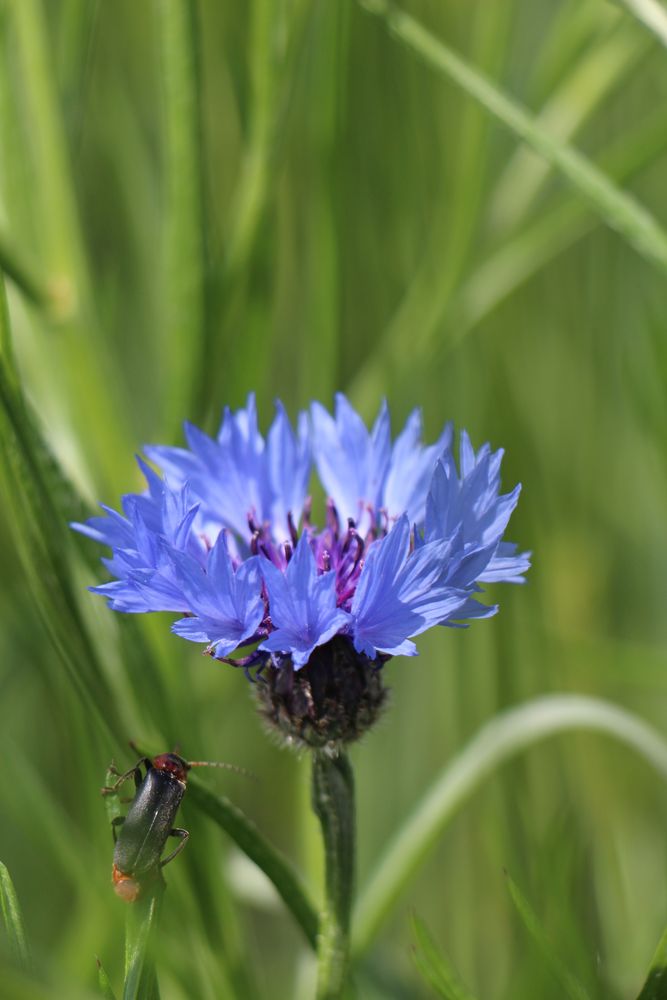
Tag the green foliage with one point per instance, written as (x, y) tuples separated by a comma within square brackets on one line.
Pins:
[(615, 207), (11, 914), (655, 987), (197, 200), (104, 983), (571, 988), (286, 882), (435, 967)]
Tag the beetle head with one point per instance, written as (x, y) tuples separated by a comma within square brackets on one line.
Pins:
[(172, 764)]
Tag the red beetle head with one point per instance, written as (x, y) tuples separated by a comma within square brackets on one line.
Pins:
[(172, 764)]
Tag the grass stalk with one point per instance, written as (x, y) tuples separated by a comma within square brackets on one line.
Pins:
[(617, 208), (506, 735)]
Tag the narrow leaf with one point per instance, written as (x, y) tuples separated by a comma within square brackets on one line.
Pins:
[(185, 219), (435, 967), (248, 838), (651, 14), (34, 489), (140, 934), (23, 276), (499, 740), (618, 209), (11, 913), (602, 68), (655, 987), (79, 358), (558, 227), (104, 982), (572, 987)]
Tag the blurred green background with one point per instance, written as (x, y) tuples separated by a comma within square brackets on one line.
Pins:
[(202, 199)]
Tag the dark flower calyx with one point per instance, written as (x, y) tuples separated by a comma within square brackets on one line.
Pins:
[(332, 700)]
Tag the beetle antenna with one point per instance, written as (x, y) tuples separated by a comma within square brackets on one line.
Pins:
[(228, 767)]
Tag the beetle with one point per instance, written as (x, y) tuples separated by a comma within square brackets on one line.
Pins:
[(141, 835)]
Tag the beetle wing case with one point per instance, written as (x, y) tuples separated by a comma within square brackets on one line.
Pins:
[(148, 823)]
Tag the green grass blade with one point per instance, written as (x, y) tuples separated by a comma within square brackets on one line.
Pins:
[(572, 27), (506, 735), (104, 982), (80, 357), (248, 838), (454, 223), (619, 210), (558, 227), (572, 987), (651, 14), (140, 944), (33, 490), (54, 193), (22, 274), (435, 967), (277, 45), (655, 987), (11, 913), (598, 72), (183, 300)]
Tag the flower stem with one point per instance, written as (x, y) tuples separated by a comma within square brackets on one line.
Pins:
[(333, 802), (141, 930)]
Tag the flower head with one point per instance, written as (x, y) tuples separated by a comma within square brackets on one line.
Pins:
[(226, 540)]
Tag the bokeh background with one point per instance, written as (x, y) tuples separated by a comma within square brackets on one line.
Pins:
[(198, 200)]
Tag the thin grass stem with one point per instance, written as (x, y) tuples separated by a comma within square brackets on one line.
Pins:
[(651, 14), (619, 210), (499, 740)]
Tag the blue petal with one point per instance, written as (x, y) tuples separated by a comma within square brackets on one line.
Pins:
[(302, 605), (411, 469), (341, 449), (381, 620), (288, 457)]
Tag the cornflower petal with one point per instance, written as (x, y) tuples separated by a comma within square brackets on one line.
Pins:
[(303, 606), (288, 457), (238, 477), (473, 506), (342, 455), (411, 469), (226, 606), (400, 594), (364, 474)]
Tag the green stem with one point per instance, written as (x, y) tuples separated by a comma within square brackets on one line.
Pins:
[(651, 14), (21, 273), (11, 912), (186, 220), (618, 209), (333, 801), (140, 934), (500, 739)]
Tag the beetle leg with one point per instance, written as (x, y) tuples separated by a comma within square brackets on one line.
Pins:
[(115, 822), (133, 772), (176, 832)]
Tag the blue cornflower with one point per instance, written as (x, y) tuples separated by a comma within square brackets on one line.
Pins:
[(226, 540)]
